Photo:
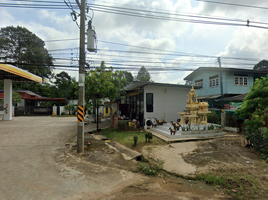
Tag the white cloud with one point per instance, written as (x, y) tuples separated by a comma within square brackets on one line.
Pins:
[(235, 11), (150, 33), (6, 18), (247, 43)]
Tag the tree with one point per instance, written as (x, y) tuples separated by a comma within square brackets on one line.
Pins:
[(16, 98), (43, 90), (128, 76), (262, 65), (255, 109), (103, 82), (143, 75), (65, 86), (70, 108), (256, 99), (25, 50)]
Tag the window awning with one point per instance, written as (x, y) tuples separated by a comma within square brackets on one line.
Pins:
[(208, 97)]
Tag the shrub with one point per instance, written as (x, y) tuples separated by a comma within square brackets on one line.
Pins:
[(135, 138), (70, 108), (123, 125), (213, 118), (148, 136), (255, 109)]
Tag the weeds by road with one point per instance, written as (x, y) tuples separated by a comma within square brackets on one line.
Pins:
[(236, 170)]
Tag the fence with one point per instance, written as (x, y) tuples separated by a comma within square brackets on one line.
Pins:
[(33, 110)]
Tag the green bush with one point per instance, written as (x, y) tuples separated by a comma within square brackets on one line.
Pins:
[(123, 125), (255, 109), (213, 118), (135, 138), (148, 136), (70, 108)]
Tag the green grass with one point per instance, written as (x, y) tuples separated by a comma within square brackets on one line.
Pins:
[(150, 169), (238, 183), (126, 138)]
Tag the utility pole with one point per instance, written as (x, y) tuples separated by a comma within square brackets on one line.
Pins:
[(221, 87), (81, 82)]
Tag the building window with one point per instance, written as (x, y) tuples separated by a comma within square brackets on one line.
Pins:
[(214, 81), (149, 102), (241, 80), (199, 83)]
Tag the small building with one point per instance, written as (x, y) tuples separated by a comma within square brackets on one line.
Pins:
[(149, 99), (32, 103), (8, 75), (235, 83)]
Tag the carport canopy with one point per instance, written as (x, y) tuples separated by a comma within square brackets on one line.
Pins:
[(9, 74)]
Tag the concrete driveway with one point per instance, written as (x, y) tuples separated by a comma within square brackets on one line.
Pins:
[(35, 164)]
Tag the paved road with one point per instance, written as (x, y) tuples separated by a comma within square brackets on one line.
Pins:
[(34, 163)]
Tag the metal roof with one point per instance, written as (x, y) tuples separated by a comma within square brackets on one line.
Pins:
[(27, 92), (208, 97), (17, 75), (137, 84), (236, 98), (34, 96), (236, 70)]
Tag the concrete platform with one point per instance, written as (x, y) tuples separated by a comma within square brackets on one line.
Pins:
[(163, 132), (127, 153)]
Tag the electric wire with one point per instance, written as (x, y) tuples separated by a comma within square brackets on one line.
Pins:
[(165, 51), (150, 14), (234, 4)]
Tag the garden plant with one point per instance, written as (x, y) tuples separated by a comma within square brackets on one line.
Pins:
[(255, 110)]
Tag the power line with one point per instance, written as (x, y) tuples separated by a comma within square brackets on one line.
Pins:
[(143, 13), (62, 40), (234, 4), (148, 14), (174, 53)]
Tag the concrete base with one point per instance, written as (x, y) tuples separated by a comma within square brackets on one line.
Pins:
[(233, 129), (163, 132)]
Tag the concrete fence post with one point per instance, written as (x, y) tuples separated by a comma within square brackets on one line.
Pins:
[(223, 119)]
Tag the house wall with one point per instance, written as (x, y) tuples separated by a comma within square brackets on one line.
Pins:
[(231, 88), (228, 84), (206, 90), (167, 102)]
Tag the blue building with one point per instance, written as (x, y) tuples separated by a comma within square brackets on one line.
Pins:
[(233, 86)]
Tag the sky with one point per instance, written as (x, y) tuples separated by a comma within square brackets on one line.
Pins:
[(170, 47)]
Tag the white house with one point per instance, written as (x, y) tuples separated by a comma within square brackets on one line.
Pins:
[(159, 100)]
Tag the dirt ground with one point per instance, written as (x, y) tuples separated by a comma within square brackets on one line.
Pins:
[(36, 164), (182, 162), (161, 186), (228, 151)]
